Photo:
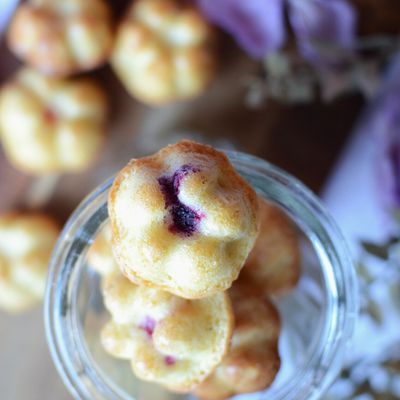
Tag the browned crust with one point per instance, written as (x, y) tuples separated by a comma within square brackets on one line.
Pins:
[(239, 295), (264, 375), (231, 379), (45, 220), (271, 215), (231, 320), (51, 25)]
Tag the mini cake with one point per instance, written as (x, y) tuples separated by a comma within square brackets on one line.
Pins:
[(100, 256), (273, 266), (51, 125), (59, 37), (26, 243), (253, 359), (168, 340), (162, 51), (182, 220)]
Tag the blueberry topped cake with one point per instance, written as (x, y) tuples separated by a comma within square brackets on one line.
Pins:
[(183, 220)]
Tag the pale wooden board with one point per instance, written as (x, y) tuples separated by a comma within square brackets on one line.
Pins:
[(26, 371)]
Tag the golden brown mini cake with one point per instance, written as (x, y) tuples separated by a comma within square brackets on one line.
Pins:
[(182, 220), (59, 37), (168, 340), (162, 51), (51, 125), (253, 359), (273, 266), (26, 243), (100, 256)]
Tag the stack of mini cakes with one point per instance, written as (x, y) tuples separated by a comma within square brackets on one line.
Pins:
[(182, 226)]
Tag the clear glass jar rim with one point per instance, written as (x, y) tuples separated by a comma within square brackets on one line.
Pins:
[(295, 198)]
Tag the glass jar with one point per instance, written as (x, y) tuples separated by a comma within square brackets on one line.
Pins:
[(318, 317)]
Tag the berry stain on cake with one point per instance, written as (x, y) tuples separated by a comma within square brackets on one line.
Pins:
[(148, 326), (169, 360), (50, 116), (185, 220)]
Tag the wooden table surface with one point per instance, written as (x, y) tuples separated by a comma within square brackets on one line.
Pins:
[(304, 140)]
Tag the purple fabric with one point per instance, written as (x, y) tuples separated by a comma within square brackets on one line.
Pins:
[(394, 160), (318, 23), (257, 25), (386, 131)]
